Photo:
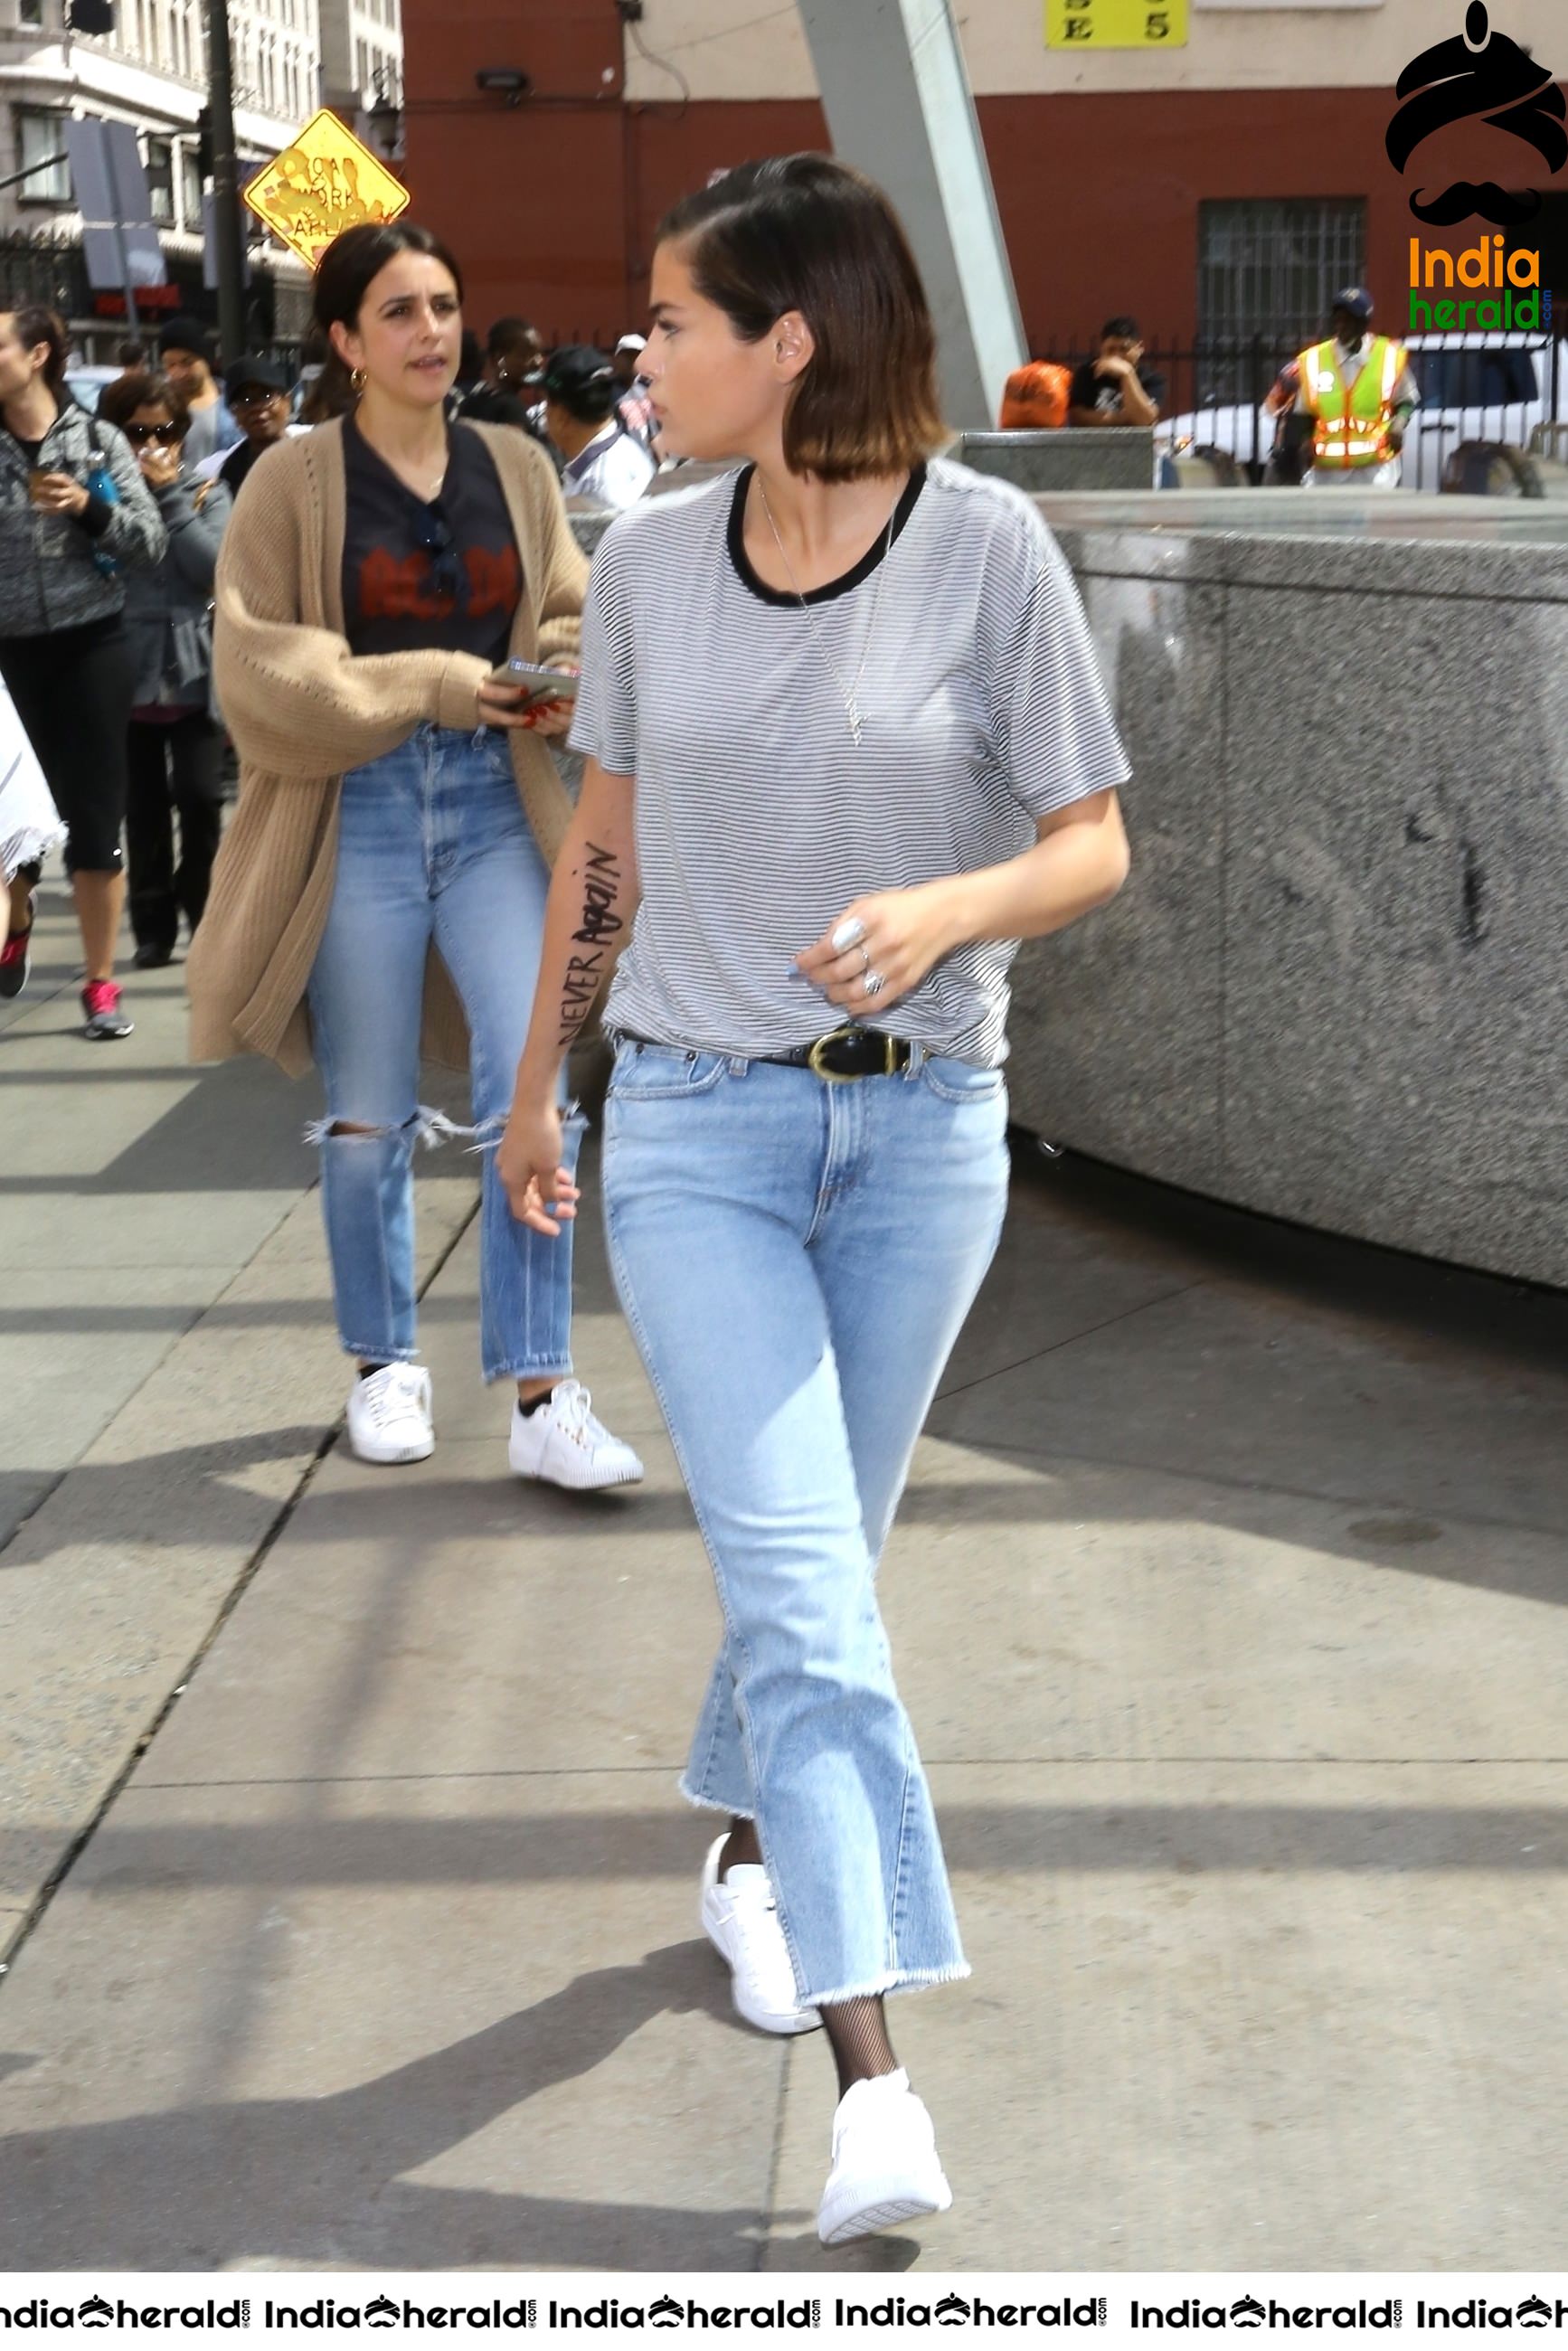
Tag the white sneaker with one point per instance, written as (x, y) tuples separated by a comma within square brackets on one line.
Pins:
[(740, 1919), (390, 1415), (563, 1443), (886, 2165)]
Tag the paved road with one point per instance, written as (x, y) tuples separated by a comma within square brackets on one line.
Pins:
[(349, 1902)]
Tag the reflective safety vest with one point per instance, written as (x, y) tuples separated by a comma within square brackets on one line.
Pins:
[(1355, 431)]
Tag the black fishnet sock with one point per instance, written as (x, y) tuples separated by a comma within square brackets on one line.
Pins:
[(741, 1845), (857, 2032)]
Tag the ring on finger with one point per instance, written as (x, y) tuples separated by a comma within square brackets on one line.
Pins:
[(865, 960), (874, 982)]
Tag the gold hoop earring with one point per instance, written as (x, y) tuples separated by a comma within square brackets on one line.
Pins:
[(358, 380)]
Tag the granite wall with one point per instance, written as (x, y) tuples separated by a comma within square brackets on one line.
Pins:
[(1335, 989), (1075, 457)]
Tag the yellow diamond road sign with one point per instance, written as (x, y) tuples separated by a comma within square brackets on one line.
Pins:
[(328, 181)]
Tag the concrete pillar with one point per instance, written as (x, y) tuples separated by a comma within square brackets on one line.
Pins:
[(900, 109)]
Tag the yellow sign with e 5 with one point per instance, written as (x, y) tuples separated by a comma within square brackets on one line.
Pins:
[(1115, 24)]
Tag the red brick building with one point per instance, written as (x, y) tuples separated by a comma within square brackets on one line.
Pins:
[(1212, 190)]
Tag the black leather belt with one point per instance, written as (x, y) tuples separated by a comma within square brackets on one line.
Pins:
[(838, 1059)]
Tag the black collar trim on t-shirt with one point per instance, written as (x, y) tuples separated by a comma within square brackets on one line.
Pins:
[(831, 588)]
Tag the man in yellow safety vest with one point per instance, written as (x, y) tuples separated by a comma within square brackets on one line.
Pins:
[(1357, 393)]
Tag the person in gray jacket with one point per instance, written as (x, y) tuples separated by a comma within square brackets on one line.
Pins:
[(76, 517), (175, 750)]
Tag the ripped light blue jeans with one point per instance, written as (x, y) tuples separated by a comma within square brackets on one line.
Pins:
[(433, 847), (795, 1261)]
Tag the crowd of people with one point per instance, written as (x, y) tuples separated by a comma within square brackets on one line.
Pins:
[(110, 527), (845, 744)]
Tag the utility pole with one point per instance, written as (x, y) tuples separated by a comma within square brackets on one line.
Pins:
[(228, 250)]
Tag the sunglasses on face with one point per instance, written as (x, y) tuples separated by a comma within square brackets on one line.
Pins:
[(433, 537), (257, 397), (140, 434)]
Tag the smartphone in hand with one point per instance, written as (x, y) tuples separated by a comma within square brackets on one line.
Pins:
[(540, 684)]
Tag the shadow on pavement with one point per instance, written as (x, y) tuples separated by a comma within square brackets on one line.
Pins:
[(186, 1496), (181, 1859), (321, 2180)]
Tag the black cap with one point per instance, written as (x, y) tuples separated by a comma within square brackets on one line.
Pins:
[(185, 335), (269, 373), (1356, 299), (575, 369)]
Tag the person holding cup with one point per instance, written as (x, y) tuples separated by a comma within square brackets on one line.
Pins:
[(76, 516), (175, 747)]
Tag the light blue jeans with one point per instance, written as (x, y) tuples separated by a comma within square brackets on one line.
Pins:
[(796, 1259), (433, 846)]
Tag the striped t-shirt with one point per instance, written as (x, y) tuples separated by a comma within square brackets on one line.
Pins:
[(758, 819)]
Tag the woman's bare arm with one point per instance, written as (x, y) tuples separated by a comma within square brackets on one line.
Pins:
[(593, 898)]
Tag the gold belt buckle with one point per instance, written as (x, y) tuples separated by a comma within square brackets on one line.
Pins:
[(846, 1077), (814, 1061)]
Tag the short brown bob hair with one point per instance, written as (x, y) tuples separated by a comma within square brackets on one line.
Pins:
[(804, 233)]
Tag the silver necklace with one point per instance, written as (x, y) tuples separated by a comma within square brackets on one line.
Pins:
[(849, 697)]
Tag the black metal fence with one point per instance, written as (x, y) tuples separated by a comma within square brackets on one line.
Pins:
[(44, 267), (1217, 383), (47, 266)]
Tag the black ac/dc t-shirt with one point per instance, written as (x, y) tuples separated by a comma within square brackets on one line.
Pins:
[(445, 574)]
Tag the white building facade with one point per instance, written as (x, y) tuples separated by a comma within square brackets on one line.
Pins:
[(290, 57), (361, 68)]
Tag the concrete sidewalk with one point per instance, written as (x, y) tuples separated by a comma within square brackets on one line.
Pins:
[(352, 1899)]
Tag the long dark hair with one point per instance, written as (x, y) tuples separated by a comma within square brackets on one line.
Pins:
[(804, 233), (346, 269), (34, 324)]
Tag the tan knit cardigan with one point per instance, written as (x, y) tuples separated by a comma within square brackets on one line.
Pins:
[(302, 708)]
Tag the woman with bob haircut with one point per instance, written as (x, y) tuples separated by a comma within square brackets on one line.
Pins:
[(846, 745), (384, 881)]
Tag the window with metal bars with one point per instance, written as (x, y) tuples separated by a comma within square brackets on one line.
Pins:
[(1269, 266)]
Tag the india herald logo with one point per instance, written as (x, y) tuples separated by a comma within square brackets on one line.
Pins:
[(1482, 75)]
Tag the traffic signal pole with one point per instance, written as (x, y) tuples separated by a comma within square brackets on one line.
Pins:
[(229, 252)]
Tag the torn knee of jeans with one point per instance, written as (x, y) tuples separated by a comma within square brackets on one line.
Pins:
[(487, 1133), (489, 1130), (432, 1127), (351, 1130)]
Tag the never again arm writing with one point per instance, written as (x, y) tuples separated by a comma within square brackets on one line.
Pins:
[(593, 943), (593, 900)]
